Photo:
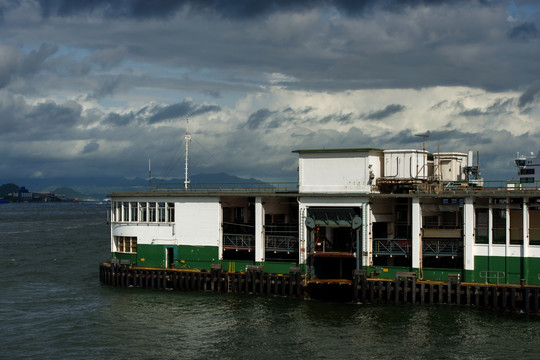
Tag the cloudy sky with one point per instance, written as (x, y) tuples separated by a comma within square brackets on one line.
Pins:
[(95, 87)]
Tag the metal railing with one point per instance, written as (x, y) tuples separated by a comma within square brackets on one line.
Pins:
[(492, 275), (386, 246), (226, 187), (442, 247), (489, 186), (281, 243), (239, 241)]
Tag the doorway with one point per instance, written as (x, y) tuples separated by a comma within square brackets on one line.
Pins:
[(169, 257)]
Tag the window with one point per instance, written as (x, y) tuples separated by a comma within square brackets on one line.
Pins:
[(152, 212), (126, 244), (499, 226), (142, 212), (481, 229), (161, 211), (516, 226), (170, 212), (125, 211), (117, 211), (526, 180), (526, 172), (133, 211)]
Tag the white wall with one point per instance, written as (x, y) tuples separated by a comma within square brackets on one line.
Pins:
[(450, 166), (198, 221), (406, 164), (335, 172)]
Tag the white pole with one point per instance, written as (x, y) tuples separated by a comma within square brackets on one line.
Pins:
[(187, 138)]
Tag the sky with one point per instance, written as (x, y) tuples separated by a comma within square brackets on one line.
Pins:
[(99, 88)]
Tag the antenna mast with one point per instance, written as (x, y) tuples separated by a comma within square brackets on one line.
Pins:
[(187, 138)]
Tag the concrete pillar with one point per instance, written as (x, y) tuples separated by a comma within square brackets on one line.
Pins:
[(366, 236), (416, 233), (259, 230), (525, 252), (468, 237), (303, 235), (490, 227)]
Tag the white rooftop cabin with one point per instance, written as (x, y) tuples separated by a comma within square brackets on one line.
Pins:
[(449, 166), (338, 170), (406, 164)]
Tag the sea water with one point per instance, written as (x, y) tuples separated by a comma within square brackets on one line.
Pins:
[(52, 306)]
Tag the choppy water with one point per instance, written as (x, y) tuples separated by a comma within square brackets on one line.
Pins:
[(52, 306)]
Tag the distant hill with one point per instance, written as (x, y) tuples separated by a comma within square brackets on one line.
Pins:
[(99, 187), (71, 194), (208, 181), (8, 188)]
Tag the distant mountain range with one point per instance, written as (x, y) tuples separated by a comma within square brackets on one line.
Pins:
[(99, 187)]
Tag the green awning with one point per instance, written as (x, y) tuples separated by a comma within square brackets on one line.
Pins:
[(333, 217)]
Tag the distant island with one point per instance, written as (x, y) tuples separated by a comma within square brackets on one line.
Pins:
[(14, 193)]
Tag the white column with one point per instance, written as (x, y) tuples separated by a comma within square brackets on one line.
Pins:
[(525, 215), (507, 229), (525, 253), (490, 227), (259, 230), (219, 221), (302, 233), (416, 232), (468, 234)]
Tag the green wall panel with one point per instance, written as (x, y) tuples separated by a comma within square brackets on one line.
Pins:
[(123, 256), (506, 270), (440, 274), (151, 255), (532, 271)]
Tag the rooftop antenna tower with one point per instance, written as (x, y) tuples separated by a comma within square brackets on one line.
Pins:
[(149, 176), (187, 138), (424, 137)]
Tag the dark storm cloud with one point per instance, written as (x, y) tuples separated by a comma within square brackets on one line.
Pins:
[(445, 43), (14, 64), (530, 94), (388, 111), (120, 119), (21, 121), (340, 118), (237, 9), (524, 31), (473, 112), (34, 60), (185, 109), (90, 148), (499, 107), (106, 87), (50, 114), (296, 112), (256, 119)]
